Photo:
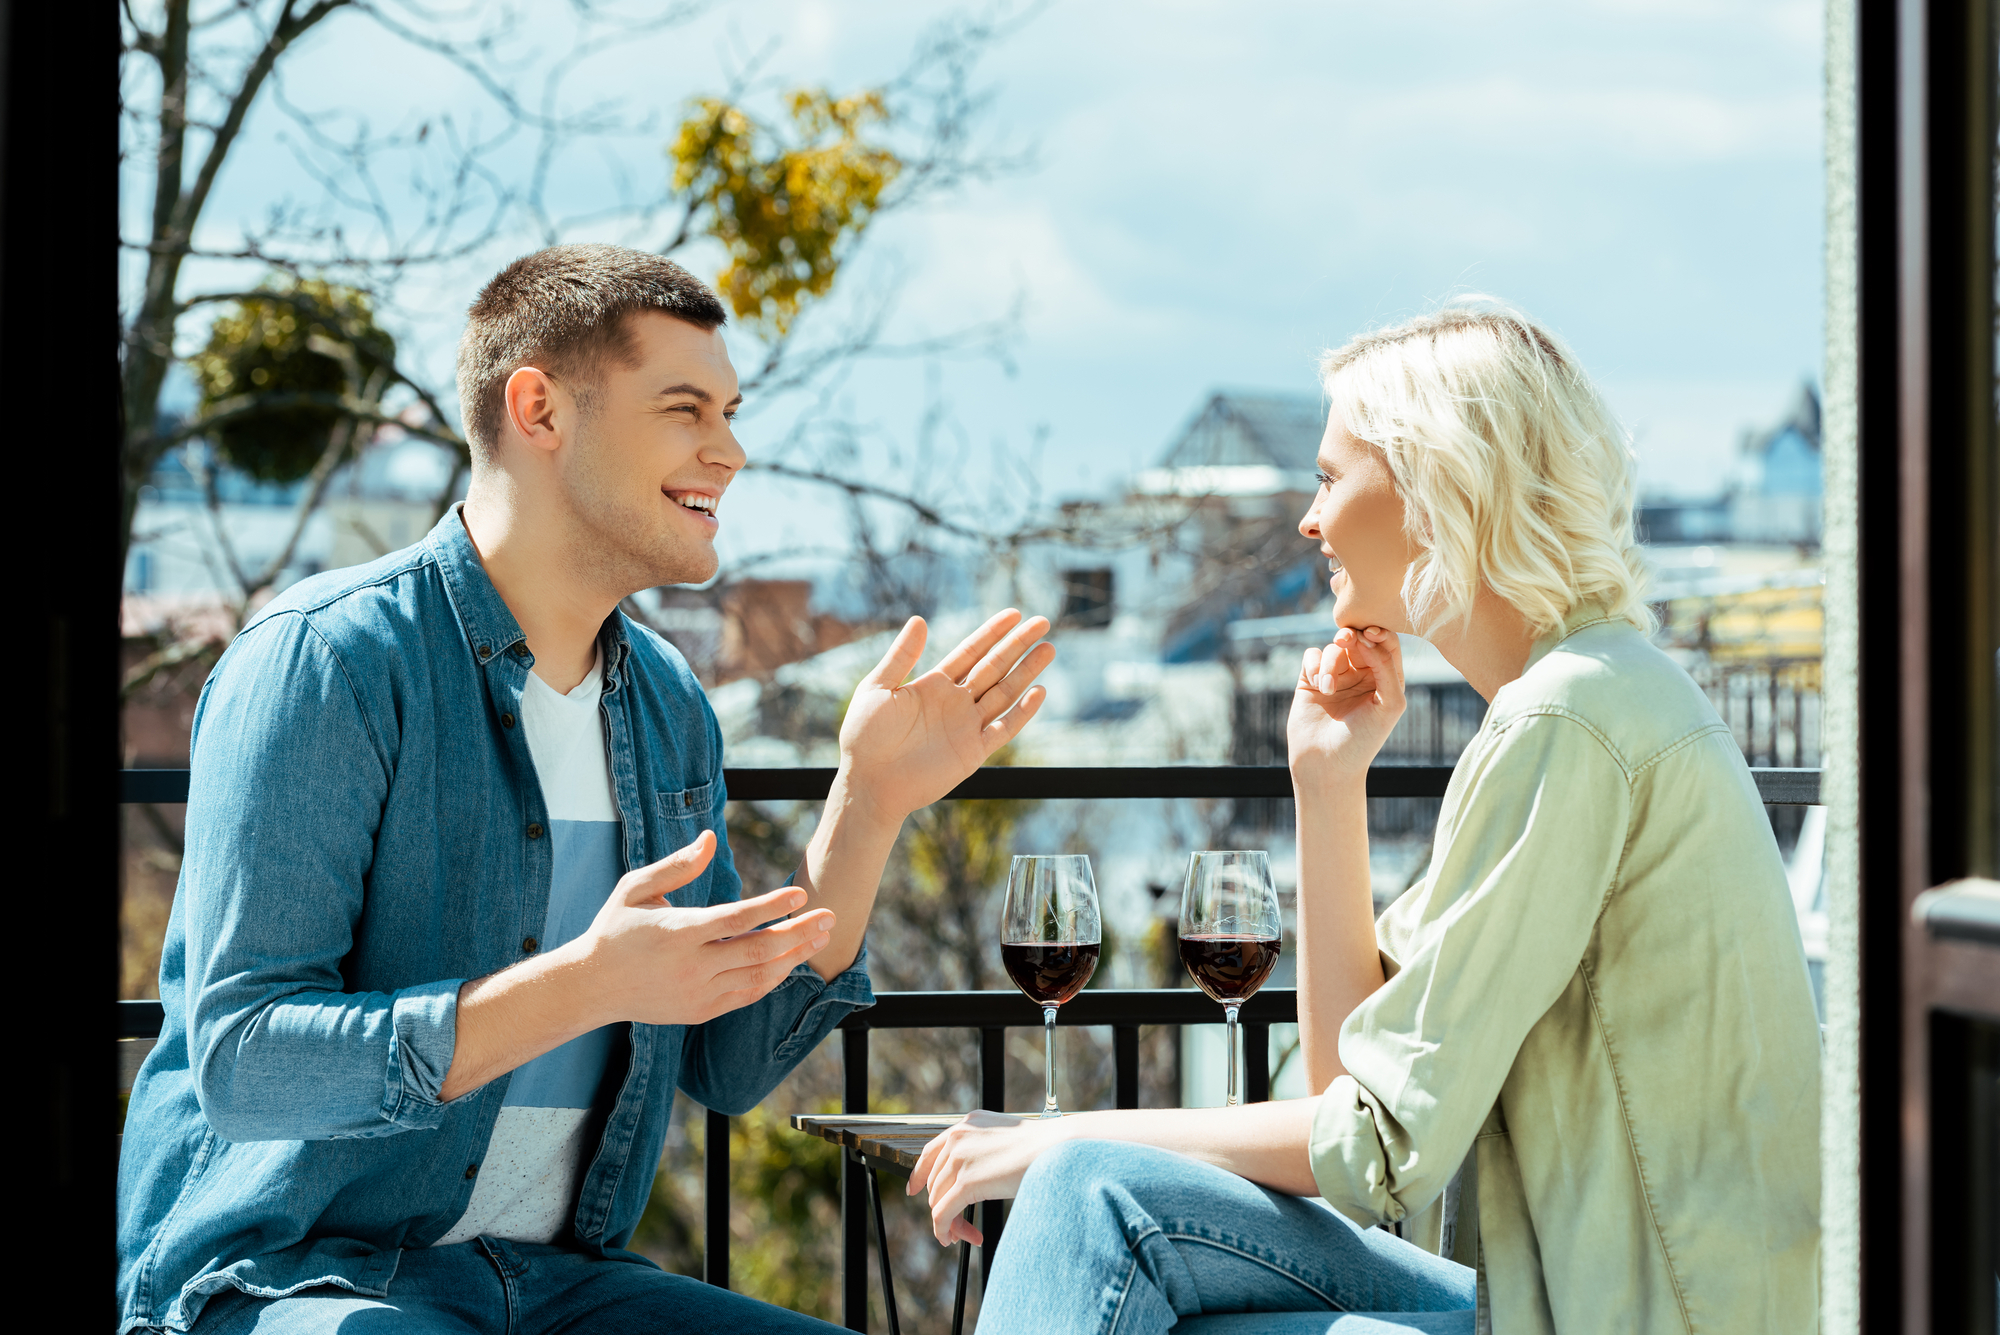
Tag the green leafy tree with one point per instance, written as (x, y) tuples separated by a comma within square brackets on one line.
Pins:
[(788, 208), (280, 374)]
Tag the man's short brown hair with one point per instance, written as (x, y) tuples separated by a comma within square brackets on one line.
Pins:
[(564, 310)]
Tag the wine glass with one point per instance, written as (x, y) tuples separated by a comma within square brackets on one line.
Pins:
[(1230, 934), (1049, 939)]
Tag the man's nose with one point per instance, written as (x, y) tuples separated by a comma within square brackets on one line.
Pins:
[(724, 449)]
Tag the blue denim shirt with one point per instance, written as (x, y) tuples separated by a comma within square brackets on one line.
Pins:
[(365, 832)]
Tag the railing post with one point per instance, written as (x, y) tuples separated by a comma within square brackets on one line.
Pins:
[(853, 1185), (1125, 1061), (1257, 1062), (993, 1097), (715, 1203)]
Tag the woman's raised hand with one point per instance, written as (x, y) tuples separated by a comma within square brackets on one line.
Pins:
[(1349, 696)]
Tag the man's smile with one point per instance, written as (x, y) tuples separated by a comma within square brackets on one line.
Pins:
[(702, 503)]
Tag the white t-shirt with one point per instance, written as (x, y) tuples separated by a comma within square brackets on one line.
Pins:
[(527, 1183)]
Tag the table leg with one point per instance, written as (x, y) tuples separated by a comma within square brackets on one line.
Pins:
[(882, 1251), (964, 1269)]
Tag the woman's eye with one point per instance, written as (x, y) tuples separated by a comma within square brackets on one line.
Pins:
[(1324, 480)]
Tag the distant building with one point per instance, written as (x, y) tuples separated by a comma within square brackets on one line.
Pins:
[(1242, 444), (1773, 497), (1779, 490), (183, 545)]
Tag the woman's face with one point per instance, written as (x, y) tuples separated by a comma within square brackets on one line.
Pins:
[(1357, 519)]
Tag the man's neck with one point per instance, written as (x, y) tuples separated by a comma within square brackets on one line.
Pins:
[(532, 562)]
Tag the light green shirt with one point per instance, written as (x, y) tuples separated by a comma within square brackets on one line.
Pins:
[(1598, 989)]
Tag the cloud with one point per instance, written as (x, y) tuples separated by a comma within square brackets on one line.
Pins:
[(1616, 125)]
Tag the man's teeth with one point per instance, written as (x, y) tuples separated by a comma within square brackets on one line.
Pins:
[(705, 504)]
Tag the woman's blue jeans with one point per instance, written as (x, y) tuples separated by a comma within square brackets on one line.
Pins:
[(1117, 1239)]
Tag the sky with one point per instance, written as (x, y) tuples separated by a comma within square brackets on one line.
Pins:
[(1210, 196)]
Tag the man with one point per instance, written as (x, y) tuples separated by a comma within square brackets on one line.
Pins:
[(456, 917)]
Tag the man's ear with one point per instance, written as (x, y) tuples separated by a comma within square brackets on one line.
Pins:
[(530, 399)]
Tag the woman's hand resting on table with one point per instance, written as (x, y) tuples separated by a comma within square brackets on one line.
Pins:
[(982, 1158), (1348, 698)]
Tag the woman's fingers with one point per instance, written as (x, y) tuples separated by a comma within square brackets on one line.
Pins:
[(950, 1194), (921, 1174), (1381, 652)]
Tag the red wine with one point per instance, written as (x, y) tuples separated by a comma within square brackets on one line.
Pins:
[(1229, 968), (1050, 972)]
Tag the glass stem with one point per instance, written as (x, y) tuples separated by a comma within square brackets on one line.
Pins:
[(1049, 1108), (1229, 1028)]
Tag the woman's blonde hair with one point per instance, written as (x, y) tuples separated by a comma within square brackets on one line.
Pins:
[(1511, 469)]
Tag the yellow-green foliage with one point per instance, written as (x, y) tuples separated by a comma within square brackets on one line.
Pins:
[(964, 845), (785, 212), (260, 347)]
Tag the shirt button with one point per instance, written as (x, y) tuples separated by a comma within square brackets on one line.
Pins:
[(534, 831), (485, 651), (506, 720), (472, 1170), (530, 944), (687, 799)]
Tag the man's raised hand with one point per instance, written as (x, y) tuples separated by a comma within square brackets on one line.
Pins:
[(656, 963), (905, 744)]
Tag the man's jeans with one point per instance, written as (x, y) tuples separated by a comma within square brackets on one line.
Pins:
[(1117, 1239), (489, 1287)]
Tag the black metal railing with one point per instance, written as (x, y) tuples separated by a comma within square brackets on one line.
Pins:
[(991, 1014)]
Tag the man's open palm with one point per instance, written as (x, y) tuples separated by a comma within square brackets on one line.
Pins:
[(908, 743)]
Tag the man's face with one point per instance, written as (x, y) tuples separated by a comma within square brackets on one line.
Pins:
[(647, 468), (1357, 519)]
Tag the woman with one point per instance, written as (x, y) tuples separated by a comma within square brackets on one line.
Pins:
[(1595, 1001)]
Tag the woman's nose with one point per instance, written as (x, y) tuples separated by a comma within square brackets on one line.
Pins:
[(1309, 525)]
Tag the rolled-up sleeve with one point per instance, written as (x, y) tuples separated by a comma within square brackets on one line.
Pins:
[(284, 805), (1524, 861), (730, 1063)]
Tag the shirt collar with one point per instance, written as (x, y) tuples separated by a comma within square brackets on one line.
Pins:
[(1582, 615), (490, 628)]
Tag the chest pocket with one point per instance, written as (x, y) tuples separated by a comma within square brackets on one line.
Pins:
[(683, 815)]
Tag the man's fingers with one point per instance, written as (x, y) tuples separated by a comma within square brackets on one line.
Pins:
[(751, 984), (1008, 726), (726, 920), (783, 947), (1006, 656), (655, 881), (959, 662), (753, 947), (897, 664), (1010, 688)]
